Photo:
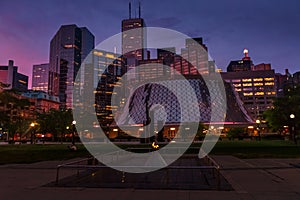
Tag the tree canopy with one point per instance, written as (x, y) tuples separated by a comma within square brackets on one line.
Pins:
[(55, 122), (283, 107)]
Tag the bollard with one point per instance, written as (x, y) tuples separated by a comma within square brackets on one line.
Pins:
[(123, 177)]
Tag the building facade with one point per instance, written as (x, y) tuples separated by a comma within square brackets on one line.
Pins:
[(262, 66), (257, 85), (245, 64), (197, 53), (102, 73), (43, 101), (10, 77), (68, 48), (40, 77), (257, 89), (150, 69)]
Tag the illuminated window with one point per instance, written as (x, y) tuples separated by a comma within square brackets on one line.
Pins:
[(269, 83), (259, 93), (68, 46), (108, 55), (269, 79), (96, 53), (237, 85), (248, 93), (247, 80), (23, 82), (258, 84), (257, 79), (238, 89), (247, 84), (236, 80)]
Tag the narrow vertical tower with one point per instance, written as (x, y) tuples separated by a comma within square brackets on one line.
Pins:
[(129, 10), (139, 9)]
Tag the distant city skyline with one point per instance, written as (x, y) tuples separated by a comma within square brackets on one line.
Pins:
[(267, 28)]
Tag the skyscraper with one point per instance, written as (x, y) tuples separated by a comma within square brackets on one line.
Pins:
[(102, 73), (198, 58), (133, 39), (68, 48), (40, 77)]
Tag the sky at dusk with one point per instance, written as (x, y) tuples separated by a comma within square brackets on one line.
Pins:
[(270, 29)]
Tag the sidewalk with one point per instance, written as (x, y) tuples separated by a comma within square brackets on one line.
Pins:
[(251, 179), (262, 178)]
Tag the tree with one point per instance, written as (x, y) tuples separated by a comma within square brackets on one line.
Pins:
[(236, 133), (279, 116), (55, 122), (12, 116)]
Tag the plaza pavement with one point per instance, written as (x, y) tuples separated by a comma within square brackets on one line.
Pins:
[(263, 179)]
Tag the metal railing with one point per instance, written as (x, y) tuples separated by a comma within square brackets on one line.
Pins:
[(93, 164), (215, 171)]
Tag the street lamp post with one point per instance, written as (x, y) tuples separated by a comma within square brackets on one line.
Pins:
[(258, 128), (68, 129), (32, 132), (73, 132), (293, 132)]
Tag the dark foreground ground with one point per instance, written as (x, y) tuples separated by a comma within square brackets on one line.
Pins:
[(259, 170), (251, 179)]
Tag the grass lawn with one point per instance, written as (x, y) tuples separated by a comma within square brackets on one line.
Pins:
[(26, 153), (242, 149), (257, 149)]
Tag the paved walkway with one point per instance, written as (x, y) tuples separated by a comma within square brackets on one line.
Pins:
[(264, 179)]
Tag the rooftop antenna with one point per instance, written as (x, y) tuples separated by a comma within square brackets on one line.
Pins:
[(139, 9), (129, 10)]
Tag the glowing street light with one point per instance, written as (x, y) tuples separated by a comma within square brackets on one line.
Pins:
[(73, 132), (32, 125), (258, 128), (293, 132)]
